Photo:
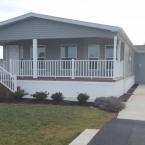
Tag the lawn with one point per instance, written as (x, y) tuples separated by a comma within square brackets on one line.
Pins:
[(25, 124)]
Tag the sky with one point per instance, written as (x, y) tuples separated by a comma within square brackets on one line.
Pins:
[(128, 14)]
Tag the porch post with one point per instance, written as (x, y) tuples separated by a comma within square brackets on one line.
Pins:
[(35, 44), (114, 57)]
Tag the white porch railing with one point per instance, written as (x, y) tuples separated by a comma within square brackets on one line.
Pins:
[(21, 67), (4, 64), (67, 68), (8, 80), (64, 68)]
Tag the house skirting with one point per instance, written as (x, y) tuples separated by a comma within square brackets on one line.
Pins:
[(71, 89)]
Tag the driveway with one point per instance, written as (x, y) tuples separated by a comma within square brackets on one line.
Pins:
[(129, 128), (121, 132)]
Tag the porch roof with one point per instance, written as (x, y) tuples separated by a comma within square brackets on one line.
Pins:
[(64, 20), (113, 29)]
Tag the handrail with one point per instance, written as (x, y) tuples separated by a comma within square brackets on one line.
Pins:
[(8, 80)]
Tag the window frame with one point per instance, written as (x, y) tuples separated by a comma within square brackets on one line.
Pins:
[(108, 58), (94, 58), (39, 47), (68, 44)]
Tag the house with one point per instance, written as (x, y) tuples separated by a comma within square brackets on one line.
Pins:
[(46, 53)]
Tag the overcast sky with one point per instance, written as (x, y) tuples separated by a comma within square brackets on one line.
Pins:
[(128, 14)]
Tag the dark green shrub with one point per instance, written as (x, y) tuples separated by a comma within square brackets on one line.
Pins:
[(40, 95), (19, 94), (110, 104), (57, 97), (82, 98)]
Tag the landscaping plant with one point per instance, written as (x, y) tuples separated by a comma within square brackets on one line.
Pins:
[(57, 97), (19, 94), (40, 95), (82, 98), (110, 104)]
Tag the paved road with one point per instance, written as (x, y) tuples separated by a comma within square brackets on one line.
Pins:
[(121, 132)]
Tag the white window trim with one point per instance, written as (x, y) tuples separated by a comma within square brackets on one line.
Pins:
[(69, 44), (105, 51), (94, 57)]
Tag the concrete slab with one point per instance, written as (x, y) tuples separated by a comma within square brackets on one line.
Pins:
[(135, 107), (85, 137), (140, 90)]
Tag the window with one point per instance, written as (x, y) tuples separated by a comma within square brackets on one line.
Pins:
[(41, 52), (69, 51), (93, 54), (109, 52), (93, 51), (21, 52)]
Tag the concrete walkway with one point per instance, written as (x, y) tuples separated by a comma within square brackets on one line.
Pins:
[(85, 137), (135, 106)]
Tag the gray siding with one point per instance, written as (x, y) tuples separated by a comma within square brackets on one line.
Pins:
[(53, 47), (43, 29)]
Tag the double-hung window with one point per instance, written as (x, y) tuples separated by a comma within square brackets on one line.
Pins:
[(93, 55), (68, 51), (93, 51), (109, 52), (109, 56), (41, 53)]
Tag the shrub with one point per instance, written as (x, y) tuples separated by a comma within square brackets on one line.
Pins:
[(40, 95), (110, 104), (82, 98), (19, 94), (57, 97)]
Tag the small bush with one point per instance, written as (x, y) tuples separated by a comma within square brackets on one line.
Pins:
[(57, 96), (40, 95), (19, 94), (82, 98), (110, 104)]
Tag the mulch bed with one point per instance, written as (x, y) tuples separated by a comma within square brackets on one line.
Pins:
[(35, 101), (127, 95)]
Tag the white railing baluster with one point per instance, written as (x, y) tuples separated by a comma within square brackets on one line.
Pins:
[(8, 80)]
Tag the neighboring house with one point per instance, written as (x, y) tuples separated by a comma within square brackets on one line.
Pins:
[(139, 64), (45, 53)]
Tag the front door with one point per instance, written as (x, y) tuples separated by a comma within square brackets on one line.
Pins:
[(12, 52), (140, 68)]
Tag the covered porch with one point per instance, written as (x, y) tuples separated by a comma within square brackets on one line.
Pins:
[(75, 58)]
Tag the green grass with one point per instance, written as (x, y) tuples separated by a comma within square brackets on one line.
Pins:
[(24, 124)]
